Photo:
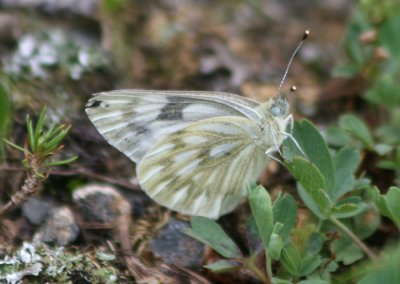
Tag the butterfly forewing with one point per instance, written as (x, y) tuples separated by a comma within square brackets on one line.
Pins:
[(203, 169), (134, 120)]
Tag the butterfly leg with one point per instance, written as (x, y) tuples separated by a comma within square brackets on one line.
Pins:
[(289, 120), (290, 136), (270, 155)]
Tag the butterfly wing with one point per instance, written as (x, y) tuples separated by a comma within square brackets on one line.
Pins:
[(134, 120), (204, 168)]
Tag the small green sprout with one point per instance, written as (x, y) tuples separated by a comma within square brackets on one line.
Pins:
[(41, 145)]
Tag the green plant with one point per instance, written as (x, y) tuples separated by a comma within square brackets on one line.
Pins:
[(41, 145), (338, 205), (372, 49), (5, 109)]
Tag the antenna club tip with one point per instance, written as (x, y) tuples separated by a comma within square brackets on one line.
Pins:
[(293, 88), (306, 34)]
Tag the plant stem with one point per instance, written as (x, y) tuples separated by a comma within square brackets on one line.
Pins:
[(31, 186), (268, 266), (251, 266), (355, 239)]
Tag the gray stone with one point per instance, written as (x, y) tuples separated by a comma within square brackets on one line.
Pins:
[(60, 227), (175, 247), (36, 210)]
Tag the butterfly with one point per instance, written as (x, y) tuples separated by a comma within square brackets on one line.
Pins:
[(195, 151)]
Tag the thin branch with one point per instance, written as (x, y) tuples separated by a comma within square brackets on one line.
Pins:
[(355, 239), (30, 187), (82, 172)]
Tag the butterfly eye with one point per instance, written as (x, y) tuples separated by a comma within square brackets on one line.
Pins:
[(275, 111)]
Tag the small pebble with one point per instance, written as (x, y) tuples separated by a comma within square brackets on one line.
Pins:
[(173, 246), (60, 227), (100, 204), (37, 209)]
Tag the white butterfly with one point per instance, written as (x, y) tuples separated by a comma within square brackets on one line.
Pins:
[(196, 152)]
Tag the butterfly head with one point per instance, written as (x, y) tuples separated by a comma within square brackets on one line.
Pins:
[(279, 107)]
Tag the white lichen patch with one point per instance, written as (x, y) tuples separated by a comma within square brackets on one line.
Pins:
[(52, 265)]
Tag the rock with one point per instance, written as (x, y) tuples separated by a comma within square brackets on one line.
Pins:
[(100, 204), (60, 227), (36, 210), (175, 247)]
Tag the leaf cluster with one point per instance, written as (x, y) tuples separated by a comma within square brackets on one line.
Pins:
[(342, 211), (42, 144)]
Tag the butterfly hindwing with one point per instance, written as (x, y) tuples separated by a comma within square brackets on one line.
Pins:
[(134, 120), (203, 169)]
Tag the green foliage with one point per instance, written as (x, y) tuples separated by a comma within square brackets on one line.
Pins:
[(261, 208), (5, 109), (323, 179), (285, 213), (384, 271), (357, 127), (210, 233), (343, 206), (339, 201), (42, 144), (372, 46), (114, 6), (389, 204)]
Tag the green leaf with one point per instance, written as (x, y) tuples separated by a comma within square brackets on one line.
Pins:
[(348, 210), (313, 244), (357, 128), (285, 212), (275, 244), (31, 136), (53, 144), (388, 35), (384, 92), (291, 259), (365, 224), (316, 150), (210, 233), (280, 281), (336, 136), (346, 162), (318, 202), (224, 265), (15, 146), (346, 251), (312, 190), (261, 208), (62, 162), (309, 264), (307, 174), (39, 125), (5, 109), (313, 281), (389, 205), (386, 270), (352, 45)]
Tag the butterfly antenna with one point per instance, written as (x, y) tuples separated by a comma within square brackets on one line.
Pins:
[(306, 33)]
